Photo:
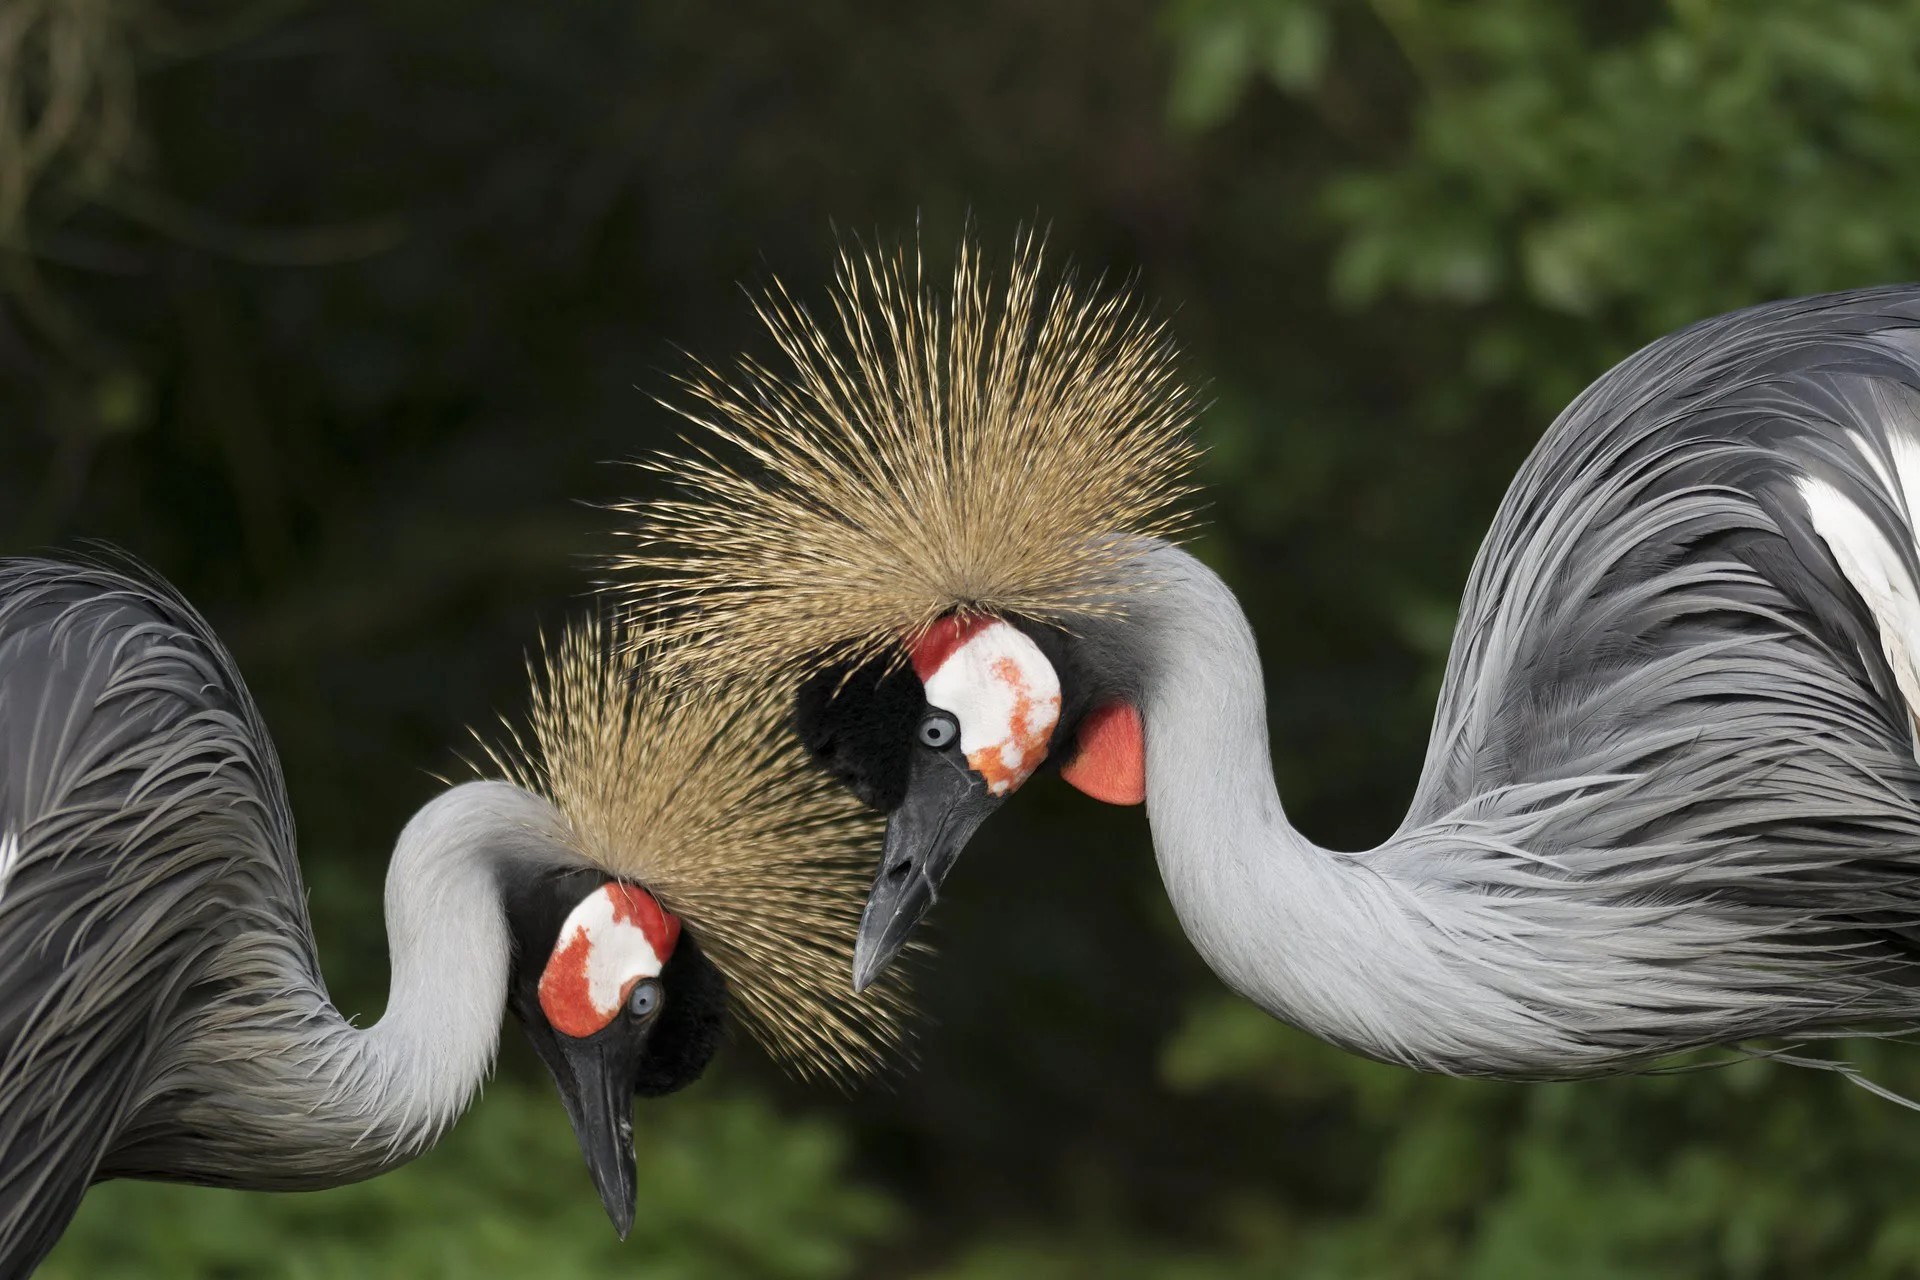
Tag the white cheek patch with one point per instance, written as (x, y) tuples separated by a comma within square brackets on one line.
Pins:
[(614, 938), (1002, 690)]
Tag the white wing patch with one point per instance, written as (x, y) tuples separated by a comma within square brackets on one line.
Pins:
[(1875, 569), (1903, 486), (1906, 461), (9, 854)]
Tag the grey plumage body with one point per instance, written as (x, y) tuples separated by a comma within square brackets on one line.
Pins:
[(1670, 798), (162, 1012)]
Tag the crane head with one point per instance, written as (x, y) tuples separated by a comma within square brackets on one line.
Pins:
[(941, 741), (618, 1002)]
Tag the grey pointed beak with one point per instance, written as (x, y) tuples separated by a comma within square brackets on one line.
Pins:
[(595, 1077), (945, 805)]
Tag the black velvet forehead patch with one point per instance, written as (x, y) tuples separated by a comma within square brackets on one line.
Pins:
[(857, 723)]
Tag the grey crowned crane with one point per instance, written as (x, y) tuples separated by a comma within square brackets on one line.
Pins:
[(1671, 797), (653, 863)]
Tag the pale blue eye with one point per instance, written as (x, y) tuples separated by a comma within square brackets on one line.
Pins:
[(938, 730), (645, 1000)]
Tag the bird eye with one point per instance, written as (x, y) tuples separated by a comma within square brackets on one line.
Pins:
[(938, 730), (645, 1000)]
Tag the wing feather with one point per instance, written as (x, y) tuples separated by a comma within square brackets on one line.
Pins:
[(144, 816), (1657, 569)]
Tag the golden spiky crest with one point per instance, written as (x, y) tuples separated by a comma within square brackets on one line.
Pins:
[(986, 450), (702, 798)]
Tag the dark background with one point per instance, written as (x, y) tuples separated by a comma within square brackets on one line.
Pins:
[(341, 316)]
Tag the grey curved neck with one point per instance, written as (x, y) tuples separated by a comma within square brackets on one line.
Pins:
[(285, 1094), (1328, 941), (1234, 866), (450, 952)]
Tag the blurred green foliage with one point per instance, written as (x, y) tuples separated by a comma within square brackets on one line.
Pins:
[(1724, 1165), (1609, 169), (368, 294)]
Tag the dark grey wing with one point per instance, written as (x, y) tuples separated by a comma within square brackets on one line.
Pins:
[(142, 821), (1658, 619)]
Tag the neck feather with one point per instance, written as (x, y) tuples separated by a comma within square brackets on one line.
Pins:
[(282, 1093), (450, 951), (1333, 943)]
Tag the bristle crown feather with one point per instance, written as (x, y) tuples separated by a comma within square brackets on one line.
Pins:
[(703, 799), (991, 451)]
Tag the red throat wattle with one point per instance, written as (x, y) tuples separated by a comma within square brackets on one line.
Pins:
[(1110, 757)]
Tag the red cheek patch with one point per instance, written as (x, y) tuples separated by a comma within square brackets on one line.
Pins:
[(1110, 760), (564, 994), (616, 936)]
